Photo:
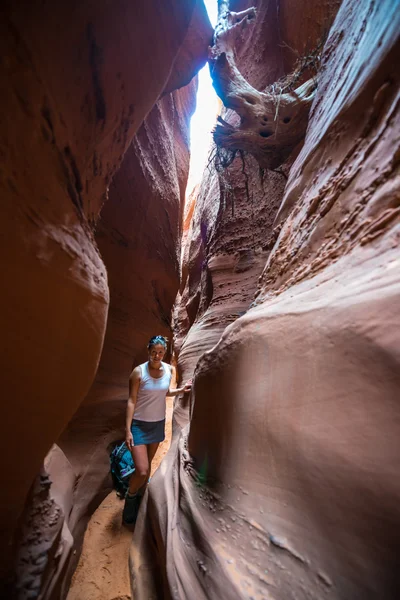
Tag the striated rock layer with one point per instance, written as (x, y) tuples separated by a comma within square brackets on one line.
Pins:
[(77, 81), (286, 485), (230, 238)]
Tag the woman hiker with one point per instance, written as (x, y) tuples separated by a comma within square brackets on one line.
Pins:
[(149, 385)]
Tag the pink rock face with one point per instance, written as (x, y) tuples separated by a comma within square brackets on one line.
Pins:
[(78, 80), (287, 481)]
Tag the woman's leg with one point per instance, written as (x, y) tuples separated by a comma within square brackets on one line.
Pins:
[(142, 467), (151, 452), (142, 456)]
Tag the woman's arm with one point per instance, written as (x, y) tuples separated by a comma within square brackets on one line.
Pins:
[(134, 382), (182, 390)]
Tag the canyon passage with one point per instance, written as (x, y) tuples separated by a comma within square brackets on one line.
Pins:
[(276, 279)]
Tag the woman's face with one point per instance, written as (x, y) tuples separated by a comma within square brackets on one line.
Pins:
[(156, 354)]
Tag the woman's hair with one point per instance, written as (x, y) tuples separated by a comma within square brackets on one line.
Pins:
[(157, 339)]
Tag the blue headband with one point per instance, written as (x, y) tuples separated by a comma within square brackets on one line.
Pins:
[(157, 339)]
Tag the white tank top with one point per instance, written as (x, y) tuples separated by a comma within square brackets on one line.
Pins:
[(150, 403)]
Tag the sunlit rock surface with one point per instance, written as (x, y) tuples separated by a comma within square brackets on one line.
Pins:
[(286, 484)]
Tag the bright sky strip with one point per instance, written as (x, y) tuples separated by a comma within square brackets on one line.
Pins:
[(204, 117)]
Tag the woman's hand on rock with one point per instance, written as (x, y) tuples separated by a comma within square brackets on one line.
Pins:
[(129, 440), (187, 387)]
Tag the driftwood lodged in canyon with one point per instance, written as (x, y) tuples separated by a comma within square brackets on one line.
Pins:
[(272, 122)]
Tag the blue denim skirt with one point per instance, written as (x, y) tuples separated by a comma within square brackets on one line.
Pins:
[(147, 432)]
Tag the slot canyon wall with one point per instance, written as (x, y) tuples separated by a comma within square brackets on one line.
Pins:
[(231, 232), (285, 482), (77, 82)]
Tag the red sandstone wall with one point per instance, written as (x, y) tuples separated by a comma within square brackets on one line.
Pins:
[(77, 81), (138, 235), (286, 485), (230, 239), (231, 232), (304, 388)]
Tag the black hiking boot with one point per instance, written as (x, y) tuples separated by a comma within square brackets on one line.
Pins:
[(131, 508)]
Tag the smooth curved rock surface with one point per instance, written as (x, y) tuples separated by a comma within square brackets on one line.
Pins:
[(286, 485), (77, 81), (193, 53)]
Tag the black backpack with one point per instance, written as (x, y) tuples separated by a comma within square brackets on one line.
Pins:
[(122, 467)]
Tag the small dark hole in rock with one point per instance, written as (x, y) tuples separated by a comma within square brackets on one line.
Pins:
[(286, 119), (249, 99), (265, 133), (265, 118)]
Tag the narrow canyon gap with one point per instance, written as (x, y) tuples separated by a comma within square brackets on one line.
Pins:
[(282, 478)]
